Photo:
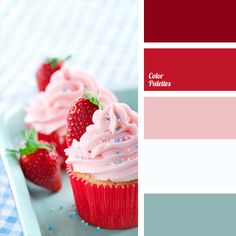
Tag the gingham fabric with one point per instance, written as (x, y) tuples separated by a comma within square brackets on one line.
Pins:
[(9, 221), (101, 35)]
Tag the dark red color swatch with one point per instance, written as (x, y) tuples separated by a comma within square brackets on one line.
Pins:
[(189, 21), (190, 69)]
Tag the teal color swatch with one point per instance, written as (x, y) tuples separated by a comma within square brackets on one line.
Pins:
[(190, 214)]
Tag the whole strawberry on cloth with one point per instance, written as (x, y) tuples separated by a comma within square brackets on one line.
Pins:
[(39, 162), (80, 116), (46, 69)]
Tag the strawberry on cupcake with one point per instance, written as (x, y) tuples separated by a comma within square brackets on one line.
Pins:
[(80, 116), (47, 112)]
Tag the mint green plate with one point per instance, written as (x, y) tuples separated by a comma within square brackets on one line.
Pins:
[(43, 213)]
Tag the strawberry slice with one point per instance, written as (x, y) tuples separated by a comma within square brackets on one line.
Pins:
[(46, 69), (39, 161), (80, 116)]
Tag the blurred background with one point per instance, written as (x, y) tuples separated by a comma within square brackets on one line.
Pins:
[(101, 36)]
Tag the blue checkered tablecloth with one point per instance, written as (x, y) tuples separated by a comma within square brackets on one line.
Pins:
[(9, 221), (101, 35)]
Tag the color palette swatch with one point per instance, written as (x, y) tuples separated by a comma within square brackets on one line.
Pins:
[(189, 214), (190, 118), (185, 151), (190, 69), (189, 21)]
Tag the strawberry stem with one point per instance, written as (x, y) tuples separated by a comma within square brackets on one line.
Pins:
[(31, 144), (67, 58)]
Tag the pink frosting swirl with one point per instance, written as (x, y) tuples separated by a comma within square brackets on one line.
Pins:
[(48, 111), (109, 148)]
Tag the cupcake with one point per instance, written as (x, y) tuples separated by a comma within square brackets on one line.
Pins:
[(47, 113), (103, 168)]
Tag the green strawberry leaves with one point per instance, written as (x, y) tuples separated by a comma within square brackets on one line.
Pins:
[(53, 61), (93, 100), (31, 144), (31, 134)]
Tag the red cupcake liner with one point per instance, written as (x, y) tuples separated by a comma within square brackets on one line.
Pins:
[(111, 207), (59, 143)]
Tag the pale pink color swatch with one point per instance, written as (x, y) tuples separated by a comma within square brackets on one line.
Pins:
[(190, 117)]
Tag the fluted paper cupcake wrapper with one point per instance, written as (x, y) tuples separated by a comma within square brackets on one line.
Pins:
[(113, 207)]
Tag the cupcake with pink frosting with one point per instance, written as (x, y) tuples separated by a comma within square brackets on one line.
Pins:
[(103, 168), (47, 113)]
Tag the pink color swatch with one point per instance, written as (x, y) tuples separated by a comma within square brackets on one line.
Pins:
[(190, 118)]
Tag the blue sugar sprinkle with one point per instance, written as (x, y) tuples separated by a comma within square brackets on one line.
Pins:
[(117, 116), (98, 228), (50, 228), (61, 207), (116, 129), (74, 212), (136, 146), (65, 90), (117, 152)]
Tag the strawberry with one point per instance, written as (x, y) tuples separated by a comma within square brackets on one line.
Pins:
[(80, 116), (39, 162), (46, 69)]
